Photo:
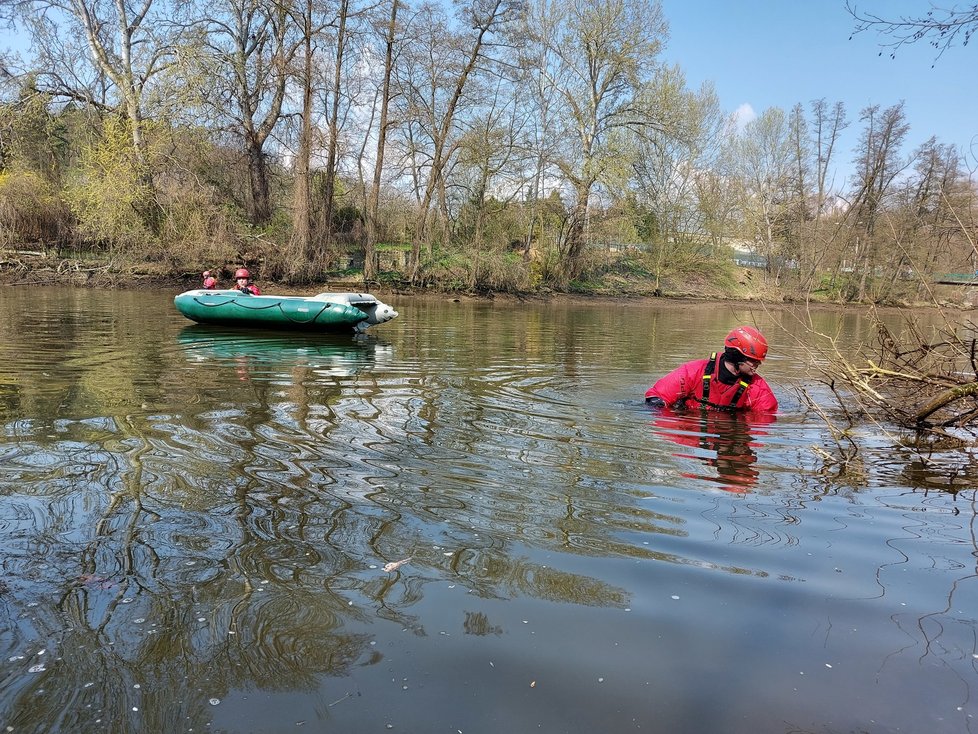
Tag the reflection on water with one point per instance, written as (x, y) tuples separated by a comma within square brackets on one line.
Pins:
[(326, 354), (725, 442), (195, 524)]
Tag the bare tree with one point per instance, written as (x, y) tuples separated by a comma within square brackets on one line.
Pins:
[(249, 46), (942, 28), (669, 168), (490, 174), (596, 56), (302, 247), (373, 199), (315, 19), (927, 230), (824, 126), (125, 41), (333, 116), (436, 93), (879, 161), (109, 55), (763, 160)]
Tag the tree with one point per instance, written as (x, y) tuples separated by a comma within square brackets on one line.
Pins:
[(942, 28), (879, 161), (928, 229), (487, 153), (248, 48), (596, 57), (373, 199), (107, 54), (333, 113), (434, 88), (670, 166), (123, 40), (313, 19), (31, 135), (762, 159), (814, 140), (32, 160)]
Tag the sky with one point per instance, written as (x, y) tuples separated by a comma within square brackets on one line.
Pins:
[(776, 53)]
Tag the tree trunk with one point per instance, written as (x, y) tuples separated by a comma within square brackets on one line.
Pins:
[(573, 261), (303, 255), (329, 186), (261, 207), (370, 264), (440, 136)]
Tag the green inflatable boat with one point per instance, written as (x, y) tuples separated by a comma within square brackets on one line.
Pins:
[(325, 312)]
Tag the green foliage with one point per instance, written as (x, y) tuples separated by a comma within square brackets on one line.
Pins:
[(648, 226), (110, 189), (502, 271), (345, 218), (198, 229), (449, 270), (390, 278), (491, 224), (633, 265), (462, 270), (31, 138), (828, 286)]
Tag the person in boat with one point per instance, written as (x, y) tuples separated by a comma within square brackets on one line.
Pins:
[(726, 381), (210, 282), (242, 282)]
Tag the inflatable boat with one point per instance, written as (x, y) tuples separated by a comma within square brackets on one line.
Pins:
[(325, 312)]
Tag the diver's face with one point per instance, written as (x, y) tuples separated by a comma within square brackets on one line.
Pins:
[(748, 367)]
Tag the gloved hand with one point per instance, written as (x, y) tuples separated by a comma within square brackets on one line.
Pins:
[(655, 402)]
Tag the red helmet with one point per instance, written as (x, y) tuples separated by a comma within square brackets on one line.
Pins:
[(241, 273), (748, 341)]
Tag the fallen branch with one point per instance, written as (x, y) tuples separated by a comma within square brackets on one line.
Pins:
[(875, 369), (945, 399)]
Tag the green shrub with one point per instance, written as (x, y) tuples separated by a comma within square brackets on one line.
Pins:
[(109, 191), (31, 210)]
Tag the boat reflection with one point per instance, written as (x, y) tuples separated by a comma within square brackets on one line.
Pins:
[(333, 355), (723, 441)]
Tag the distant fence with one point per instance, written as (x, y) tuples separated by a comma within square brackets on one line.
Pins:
[(957, 278)]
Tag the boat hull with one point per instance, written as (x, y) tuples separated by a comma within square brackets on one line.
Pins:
[(323, 313)]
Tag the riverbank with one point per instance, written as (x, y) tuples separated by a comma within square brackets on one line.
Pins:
[(35, 268)]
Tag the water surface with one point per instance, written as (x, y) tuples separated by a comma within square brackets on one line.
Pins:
[(195, 523)]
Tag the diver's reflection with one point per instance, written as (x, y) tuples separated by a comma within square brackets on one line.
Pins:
[(725, 442)]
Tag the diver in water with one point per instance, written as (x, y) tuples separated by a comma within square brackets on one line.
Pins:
[(727, 381)]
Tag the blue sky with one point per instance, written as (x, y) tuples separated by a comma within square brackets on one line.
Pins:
[(774, 53)]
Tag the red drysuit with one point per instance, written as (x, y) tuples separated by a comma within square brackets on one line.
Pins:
[(686, 382)]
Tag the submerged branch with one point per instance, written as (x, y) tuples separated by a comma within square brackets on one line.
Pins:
[(920, 391)]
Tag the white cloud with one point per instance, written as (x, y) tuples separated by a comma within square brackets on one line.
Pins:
[(742, 115)]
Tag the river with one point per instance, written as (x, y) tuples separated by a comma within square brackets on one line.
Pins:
[(195, 524)]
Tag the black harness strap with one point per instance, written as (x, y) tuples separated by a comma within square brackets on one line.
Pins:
[(708, 378)]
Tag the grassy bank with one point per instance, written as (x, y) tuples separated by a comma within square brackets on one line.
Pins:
[(620, 278)]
